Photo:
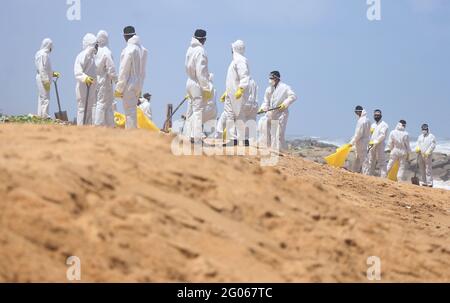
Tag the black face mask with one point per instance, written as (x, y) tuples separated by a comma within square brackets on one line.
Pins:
[(378, 118)]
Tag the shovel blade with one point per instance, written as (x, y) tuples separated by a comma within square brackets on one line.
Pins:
[(415, 181), (62, 116)]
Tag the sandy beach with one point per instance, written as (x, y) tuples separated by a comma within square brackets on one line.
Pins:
[(132, 211)]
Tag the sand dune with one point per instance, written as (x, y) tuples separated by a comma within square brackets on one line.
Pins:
[(131, 211)]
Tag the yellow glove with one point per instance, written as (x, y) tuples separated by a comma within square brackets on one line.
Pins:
[(372, 143), (426, 155), (372, 130), (207, 95), (224, 97), (56, 74), (418, 150), (239, 93), (118, 94), (187, 97), (283, 107), (89, 81), (47, 86)]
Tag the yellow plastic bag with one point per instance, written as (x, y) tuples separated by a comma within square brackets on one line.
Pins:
[(144, 122), (339, 157), (393, 173), (120, 120)]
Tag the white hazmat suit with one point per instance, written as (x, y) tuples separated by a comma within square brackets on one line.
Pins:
[(400, 148), (146, 108), (274, 135), (361, 141), (238, 77), (377, 157), (85, 67), (427, 145), (197, 84), (106, 76), (44, 75), (133, 62)]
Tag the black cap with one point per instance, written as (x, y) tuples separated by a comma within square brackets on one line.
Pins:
[(378, 111), (425, 127), (200, 34), (359, 108), (403, 122), (147, 96), (275, 74), (129, 31)]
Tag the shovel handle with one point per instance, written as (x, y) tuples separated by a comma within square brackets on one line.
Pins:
[(174, 112), (269, 110)]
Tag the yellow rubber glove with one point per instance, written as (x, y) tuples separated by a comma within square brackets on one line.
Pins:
[(418, 151), (426, 155), (47, 86), (372, 130), (89, 81), (224, 97), (207, 95), (118, 94), (283, 107), (56, 74), (372, 143), (239, 93), (187, 97)]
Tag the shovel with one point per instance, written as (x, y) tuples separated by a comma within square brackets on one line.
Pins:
[(173, 114), (269, 110), (415, 180), (86, 106), (61, 115)]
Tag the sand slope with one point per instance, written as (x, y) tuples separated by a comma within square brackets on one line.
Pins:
[(131, 211)]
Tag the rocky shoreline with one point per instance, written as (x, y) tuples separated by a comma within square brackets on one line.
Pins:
[(316, 151)]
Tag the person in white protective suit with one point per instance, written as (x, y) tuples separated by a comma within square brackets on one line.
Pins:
[(426, 144), (361, 139), (106, 77), (86, 74), (221, 126), (199, 86), (399, 147), (377, 145), (277, 100), (210, 111), (132, 73), (144, 104), (44, 76), (239, 95)]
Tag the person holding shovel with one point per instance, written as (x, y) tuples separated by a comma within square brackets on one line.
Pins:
[(86, 74), (277, 100), (44, 77)]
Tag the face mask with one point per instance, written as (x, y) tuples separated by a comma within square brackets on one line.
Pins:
[(272, 82), (425, 132)]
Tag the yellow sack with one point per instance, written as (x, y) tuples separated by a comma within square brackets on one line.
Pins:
[(144, 122), (393, 173), (120, 120), (339, 157)]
